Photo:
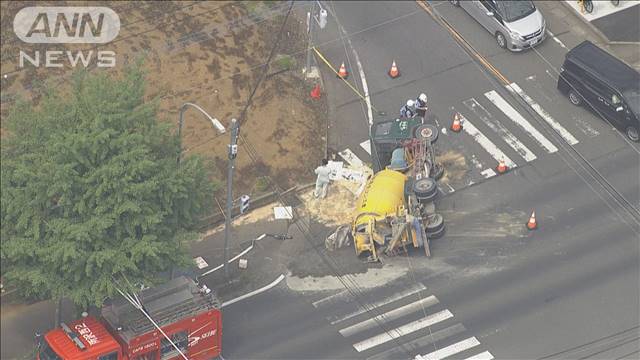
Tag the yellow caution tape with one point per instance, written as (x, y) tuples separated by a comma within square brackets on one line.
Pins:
[(345, 80)]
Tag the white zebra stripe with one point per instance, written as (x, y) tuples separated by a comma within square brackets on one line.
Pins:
[(486, 144), (515, 116), (389, 316), (500, 129), (412, 290), (450, 350), (566, 135), (402, 330), (366, 145)]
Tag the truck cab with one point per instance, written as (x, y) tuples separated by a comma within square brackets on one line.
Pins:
[(82, 339), (188, 314)]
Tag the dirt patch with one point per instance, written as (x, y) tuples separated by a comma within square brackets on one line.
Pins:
[(455, 166), (212, 54)]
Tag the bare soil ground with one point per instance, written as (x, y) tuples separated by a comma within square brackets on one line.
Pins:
[(210, 53)]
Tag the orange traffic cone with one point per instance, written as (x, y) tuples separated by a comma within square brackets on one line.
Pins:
[(315, 93), (342, 73), (456, 126), (502, 167), (394, 72), (532, 224)]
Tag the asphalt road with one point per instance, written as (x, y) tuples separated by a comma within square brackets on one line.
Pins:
[(492, 289)]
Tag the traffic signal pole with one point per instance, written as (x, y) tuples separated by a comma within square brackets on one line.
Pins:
[(232, 152)]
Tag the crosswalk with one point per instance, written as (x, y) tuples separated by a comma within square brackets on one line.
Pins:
[(494, 130), (408, 323)]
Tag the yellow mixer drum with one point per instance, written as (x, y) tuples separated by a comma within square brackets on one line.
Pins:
[(382, 196)]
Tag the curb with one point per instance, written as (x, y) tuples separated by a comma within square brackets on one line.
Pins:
[(595, 28), (263, 200)]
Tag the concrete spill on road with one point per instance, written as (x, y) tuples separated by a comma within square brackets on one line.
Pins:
[(336, 209), (370, 279), (454, 164)]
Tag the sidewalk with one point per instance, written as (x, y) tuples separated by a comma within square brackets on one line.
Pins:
[(615, 23), (568, 24)]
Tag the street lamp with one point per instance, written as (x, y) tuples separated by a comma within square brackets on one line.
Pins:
[(232, 152), (216, 124)]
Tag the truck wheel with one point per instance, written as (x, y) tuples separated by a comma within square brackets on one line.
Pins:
[(435, 223), (426, 132), (437, 234), (425, 189), (437, 171), (575, 98)]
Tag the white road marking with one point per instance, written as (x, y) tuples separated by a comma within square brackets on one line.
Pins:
[(585, 127), (556, 39), (351, 158), (366, 145), (566, 135), (514, 115), (402, 330), (363, 79), (538, 85), (488, 173), (330, 299), (500, 129), (482, 356), (254, 292), (249, 248), (420, 343), (451, 349), (389, 316), (486, 144), (408, 292)]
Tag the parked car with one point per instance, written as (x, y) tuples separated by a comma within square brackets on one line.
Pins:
[(516, 25), (592, 76)]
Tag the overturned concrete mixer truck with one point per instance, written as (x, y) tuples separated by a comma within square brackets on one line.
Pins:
[(396, 211)]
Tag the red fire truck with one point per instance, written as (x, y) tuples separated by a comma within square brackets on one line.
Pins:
[(188, 314)]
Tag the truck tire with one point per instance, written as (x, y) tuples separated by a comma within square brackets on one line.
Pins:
[(435, 223), (437, 171), (437, 234), (426, 132), (425, 189)]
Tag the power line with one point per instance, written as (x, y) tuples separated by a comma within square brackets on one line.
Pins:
[(350, 285)]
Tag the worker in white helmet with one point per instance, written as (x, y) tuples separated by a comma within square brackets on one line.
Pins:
[(408, 111), (421, 106)]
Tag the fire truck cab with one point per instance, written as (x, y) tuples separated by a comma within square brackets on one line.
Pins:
[(188, 315)]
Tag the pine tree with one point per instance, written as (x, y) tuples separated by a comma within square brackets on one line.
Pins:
[(91, 191)]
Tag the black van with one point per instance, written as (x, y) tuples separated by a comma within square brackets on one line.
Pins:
[(609, 86)]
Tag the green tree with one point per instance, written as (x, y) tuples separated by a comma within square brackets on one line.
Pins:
[(91, 191)]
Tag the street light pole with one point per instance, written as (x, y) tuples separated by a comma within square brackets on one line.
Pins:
[(233, 151), (216, 124)]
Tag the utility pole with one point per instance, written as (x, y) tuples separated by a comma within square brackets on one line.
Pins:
[(310, 21), (233, 151)]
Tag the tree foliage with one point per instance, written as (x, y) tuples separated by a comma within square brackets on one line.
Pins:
[(91, 191)]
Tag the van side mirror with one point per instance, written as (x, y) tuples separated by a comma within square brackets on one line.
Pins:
[(489, 13), (619, 108)]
